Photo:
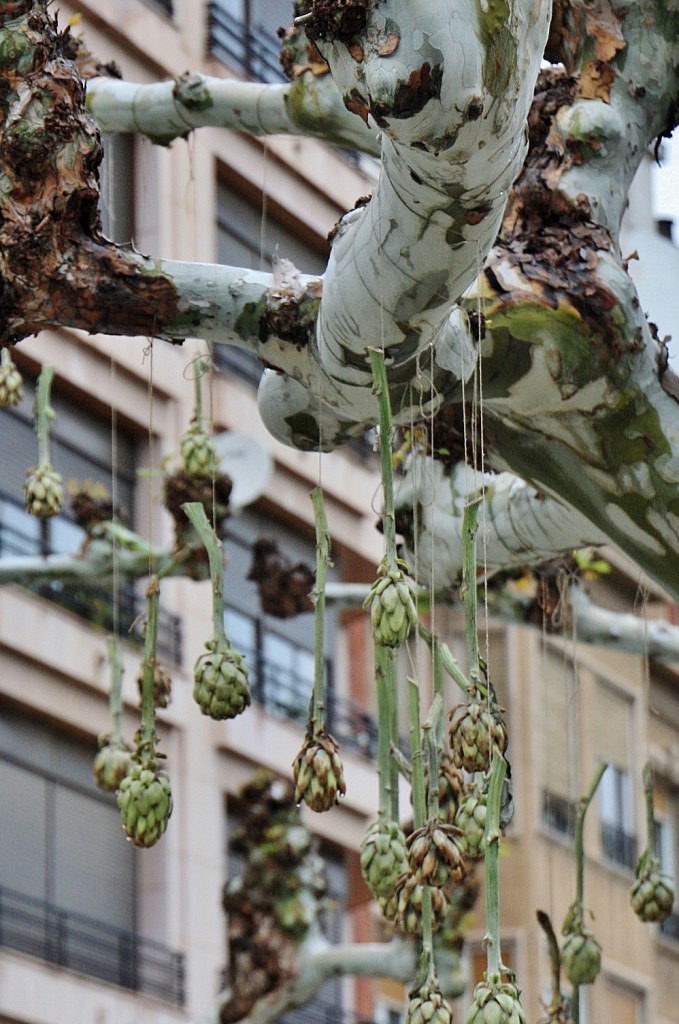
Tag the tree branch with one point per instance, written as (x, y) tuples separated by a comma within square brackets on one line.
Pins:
[(164, 111)]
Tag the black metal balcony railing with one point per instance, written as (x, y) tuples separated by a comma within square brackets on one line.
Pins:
[(91, 602), (618, 845), (558, 814), (81, 944), (252, 51), (286, 693)]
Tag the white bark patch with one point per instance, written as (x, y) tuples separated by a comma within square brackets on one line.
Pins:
[(622, 522), (666, 526)]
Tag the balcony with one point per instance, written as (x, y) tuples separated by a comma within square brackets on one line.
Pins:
[(252, 52), (77, 943), (619, 846), (21, 535)]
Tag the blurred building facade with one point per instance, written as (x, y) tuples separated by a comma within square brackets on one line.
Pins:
[(90, 928)]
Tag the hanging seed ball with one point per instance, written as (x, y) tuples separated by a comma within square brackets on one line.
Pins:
[(496, 1002), (393, 613), (220, 681), (43, 492), (198, 453), (383, 856), (162, 684), (435, 855), (651, 895), (475, 731), (451, 789), (111, 763), (11, 385), (404, 906), (427, 1005), (471, 820), (145, 803), (318, 772), (581, 956)]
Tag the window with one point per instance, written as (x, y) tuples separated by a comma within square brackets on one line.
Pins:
[(80, 445), (247, 236), (613, 722), (279, 654), (243, 33), (559, 730), (67, 876), (116, 192)]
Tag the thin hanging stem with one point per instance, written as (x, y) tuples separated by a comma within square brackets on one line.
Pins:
[(647, 776), (318, 596), (43, 413), (381, 392), (115, 701), (201, 367), (492, 861), (469, 528), (555, 960), (195, 512)]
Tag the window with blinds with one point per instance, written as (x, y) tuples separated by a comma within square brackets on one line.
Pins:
[(61, 844), (558, 729)]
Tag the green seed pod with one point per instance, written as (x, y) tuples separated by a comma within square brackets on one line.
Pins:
[(393, 612), (496, 1003), (111, 763), (198, 452), (43, 492), (383, 856), (11, 385), (435, 855), (404, 906), (145, 804), (651, 895), (471, 820), (475, 731), (318, 772), (427, 1005), (581, 957), (221, 689)]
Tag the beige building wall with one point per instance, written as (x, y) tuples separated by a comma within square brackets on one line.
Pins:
[(53, 665)]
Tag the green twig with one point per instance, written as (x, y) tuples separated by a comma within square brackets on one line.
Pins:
[(322, 558), (392, 711), (201, 366), (583, 806), (432, 731), (195, 512), (492, 860), (381, 392), (115, 699), (419, 817), (44, 413), (442, 657), (146, 747), (382, 657)]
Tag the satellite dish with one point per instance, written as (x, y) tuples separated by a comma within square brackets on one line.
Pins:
[(247, 463)]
